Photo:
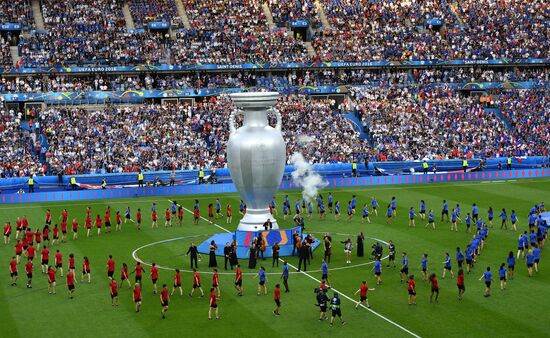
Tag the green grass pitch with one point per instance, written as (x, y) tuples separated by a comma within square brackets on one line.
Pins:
[(514, 312)]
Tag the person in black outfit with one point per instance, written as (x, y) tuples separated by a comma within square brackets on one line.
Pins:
[(310, 240), (194, 252), (275, 248), (253, 256), (268, 225), (327, 240), (233, 261), (360, 248), (212, 263), (227, 255), (304, 255)]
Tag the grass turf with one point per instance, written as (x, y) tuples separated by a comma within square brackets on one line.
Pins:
[(32, 312)]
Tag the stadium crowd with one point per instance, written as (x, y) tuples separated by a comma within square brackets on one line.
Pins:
[(435, 124), (16, 11), (284, 11), (144, 11)]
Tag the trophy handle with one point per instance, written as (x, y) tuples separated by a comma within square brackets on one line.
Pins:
[(232, 128), (279, 118)]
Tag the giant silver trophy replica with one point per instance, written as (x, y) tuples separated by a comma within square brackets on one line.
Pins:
[(256, 156)]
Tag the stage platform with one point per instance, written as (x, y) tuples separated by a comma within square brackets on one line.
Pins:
[(244, 239)]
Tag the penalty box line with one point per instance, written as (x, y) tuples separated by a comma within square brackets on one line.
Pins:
[(318, 281)]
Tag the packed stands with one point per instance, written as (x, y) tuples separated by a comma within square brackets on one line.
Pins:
[(284, 11), (16, 11), (144, 11), (233, 32), (5, 54)]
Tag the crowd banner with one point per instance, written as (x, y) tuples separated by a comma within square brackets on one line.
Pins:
[(138, 96), (10, 26), (268, 66), (194, 189)]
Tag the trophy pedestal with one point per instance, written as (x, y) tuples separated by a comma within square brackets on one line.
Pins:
[(254, 220)]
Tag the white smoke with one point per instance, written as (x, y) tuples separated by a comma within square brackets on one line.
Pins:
[(306, 177)]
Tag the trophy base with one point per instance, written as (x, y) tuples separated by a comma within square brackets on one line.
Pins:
[(254, 220)]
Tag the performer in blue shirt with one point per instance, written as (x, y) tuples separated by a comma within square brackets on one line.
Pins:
[(468, 222), (447, 266), (285, 210), (284, 276), (530, 260), (453, 221), (459, 257), (324, 272), (374, 205), (511, 260), (353, 203), (431, 220), (365, 214), (310, 209), (337, 211), (488, 278), (411, 217), (502, 274), (394, 206), (218, 208), (490, 216), (521, 244), (350, 211), (377, 268), (536, 257), (514, 219), (404, 272), (504, 218), (297, 207), (330, 198), (445, 211), (475, 212), (424, 265), (389, 214), (422, 212), (273, 206)]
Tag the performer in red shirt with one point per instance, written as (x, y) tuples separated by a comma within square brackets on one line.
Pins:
[(118, 221), (107, 222), (216, 282), (210, 213), (412, 290), (213, 304), (110, 267), (180, 215), (18, 227), (138, 270), (45, 257), (164, 299), (13, 271), (98, 224), (168, 219), (138, 218), (70, 283), (239, 280), (228, 213), (196, 216), (28, 270), (177, 283), (136, 294), (154, 218), (18, 250), (59, 261), (7, 233), (154, 277), (277, 299), (55, 232), (435, 287), (25, 223), (88, 224), (48, 217), (460, 284), (64, 215), (51, 280), (86, 270), (71, 263), (196, 283), (363, 290), (46, 234), (38, 238), (124, 276), (63, 231), (31, 252), (75, 229), (29, 235), (88, 212), (114, 292)]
